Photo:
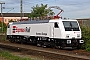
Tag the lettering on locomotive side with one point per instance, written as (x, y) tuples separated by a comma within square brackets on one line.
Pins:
[(17, 29), (41, 33)]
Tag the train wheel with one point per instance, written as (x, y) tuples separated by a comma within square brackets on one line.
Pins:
[(12, 40), (23, 42), (63, 46), (38, 45), (44, 45), (57, 47)]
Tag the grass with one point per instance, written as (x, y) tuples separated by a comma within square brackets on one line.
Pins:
[(2, 37), (9, 56)]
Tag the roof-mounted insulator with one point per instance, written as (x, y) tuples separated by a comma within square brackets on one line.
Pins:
[(56, 17)]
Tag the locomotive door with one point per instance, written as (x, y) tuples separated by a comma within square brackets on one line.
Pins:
[(56, 30)]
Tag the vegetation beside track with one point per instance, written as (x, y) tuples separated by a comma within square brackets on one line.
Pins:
[(2, 37), (86, 37), (9, 56)]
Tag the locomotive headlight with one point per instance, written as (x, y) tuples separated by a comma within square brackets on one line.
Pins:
[(78, 35), (81, 41), (67, 36), (68, 41)]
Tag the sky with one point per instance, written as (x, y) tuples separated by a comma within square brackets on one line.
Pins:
[(72, 8)]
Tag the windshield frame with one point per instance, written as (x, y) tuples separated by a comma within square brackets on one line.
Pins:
[(71, 25)]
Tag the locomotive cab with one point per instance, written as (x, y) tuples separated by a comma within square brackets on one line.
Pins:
[(68, 33)]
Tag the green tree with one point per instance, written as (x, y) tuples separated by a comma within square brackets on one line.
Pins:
[(4, 27), (11, 20), (40, 11)]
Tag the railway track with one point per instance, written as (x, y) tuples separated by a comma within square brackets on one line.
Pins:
[(50, 53)]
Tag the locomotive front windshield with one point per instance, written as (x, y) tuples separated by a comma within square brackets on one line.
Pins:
[(71, 26)]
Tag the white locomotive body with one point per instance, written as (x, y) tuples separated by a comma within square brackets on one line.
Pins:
[(58, 33)]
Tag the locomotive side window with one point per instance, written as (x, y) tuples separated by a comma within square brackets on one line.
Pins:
[(56, 25)]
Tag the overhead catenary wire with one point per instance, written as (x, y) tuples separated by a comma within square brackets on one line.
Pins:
[(28, 3)]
